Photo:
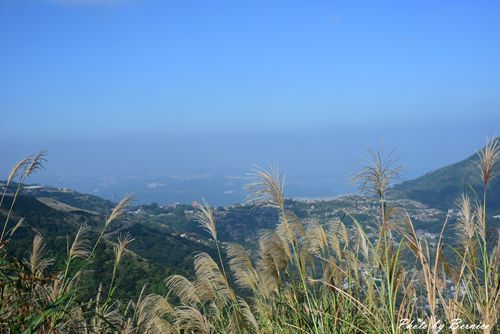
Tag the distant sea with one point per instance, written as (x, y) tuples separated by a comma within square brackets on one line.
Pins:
[(216, 190)]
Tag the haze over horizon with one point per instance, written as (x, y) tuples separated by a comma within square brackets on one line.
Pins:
[(156, 90)]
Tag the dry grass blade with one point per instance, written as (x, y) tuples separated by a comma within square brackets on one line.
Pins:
[(19, 223), (364, 309), (107, 314), (496, 252), (123, 242)]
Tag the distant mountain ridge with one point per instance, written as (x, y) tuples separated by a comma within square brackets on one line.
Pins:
[(441, 188)]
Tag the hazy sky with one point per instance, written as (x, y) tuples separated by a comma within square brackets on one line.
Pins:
[(159, 87)]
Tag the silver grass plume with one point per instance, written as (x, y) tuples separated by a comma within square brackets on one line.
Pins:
[(465, 226), (274, 255), (210, 276), (37, 260), (191, 320), (266, 187), (183, 289), (34, 163), (119, 249), (377, 176), (488, 160), (120, 208), (17, 169), (205, 217), (248, 317), (241, 266), (149, 313), (79, 247), (316, 238)]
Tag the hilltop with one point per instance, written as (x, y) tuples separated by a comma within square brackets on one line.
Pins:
[(441, 188)]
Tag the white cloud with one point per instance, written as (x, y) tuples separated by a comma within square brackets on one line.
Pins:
[(191, 177), (154, 185), (232, 177)]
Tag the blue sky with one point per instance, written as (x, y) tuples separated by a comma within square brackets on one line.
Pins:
[(158, 77)]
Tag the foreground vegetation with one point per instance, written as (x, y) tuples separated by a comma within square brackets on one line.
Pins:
[(306, 277)]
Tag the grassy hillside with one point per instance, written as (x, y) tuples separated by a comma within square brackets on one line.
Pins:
[(156, 253), (71, 198), (442, 187)]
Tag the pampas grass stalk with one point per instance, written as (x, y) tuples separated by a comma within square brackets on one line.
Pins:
[(24, 168)]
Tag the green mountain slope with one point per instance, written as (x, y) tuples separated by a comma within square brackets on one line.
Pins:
[(70, 197), (442, 187), (155, 253)]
